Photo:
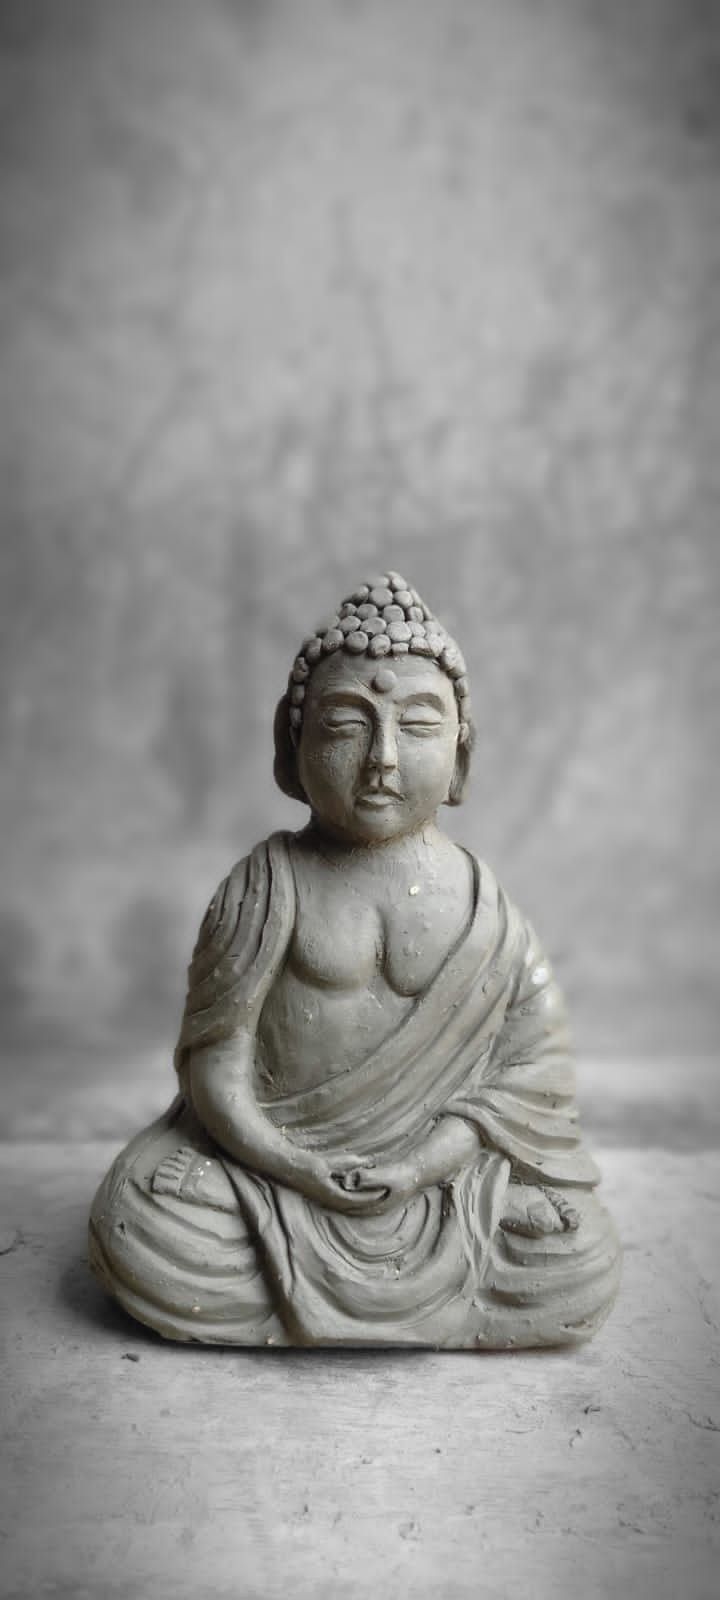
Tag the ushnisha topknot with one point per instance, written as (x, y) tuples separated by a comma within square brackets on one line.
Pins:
[(382, 617)]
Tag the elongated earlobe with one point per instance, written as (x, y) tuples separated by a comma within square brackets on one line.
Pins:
[(285, 768), (461, 773), (456, 792)]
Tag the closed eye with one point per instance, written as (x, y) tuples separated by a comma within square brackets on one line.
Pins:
[(421, 725), (346, 724)]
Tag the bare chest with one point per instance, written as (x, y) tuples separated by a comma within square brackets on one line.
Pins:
[(349, 933), (361, 951)]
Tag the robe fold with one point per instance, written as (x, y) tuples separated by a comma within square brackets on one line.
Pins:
[(486, 1041)]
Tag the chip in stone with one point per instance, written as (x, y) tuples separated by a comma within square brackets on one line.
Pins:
[(379, 645), (437, 645), (347, 609), (300, 670), (312, 650), (420, 646), (415, 614), (356, 643), (399, 632), (333, 640), (374, 625), (393, 614), (367, 610), (350, 623), (381, 596)]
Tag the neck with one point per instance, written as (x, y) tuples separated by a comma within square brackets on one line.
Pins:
[(337, 846)]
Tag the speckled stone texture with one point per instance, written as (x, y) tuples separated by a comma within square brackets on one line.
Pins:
[(279, 282)]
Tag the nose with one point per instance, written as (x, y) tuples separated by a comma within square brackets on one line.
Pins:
[(382, 755)]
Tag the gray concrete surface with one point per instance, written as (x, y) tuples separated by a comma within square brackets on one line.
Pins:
[(281, 283), (134, 1468)]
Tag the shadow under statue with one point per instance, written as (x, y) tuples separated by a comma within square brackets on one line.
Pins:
[(375, 1140)]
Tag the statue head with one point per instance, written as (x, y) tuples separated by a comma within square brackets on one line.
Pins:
[(375, 729)]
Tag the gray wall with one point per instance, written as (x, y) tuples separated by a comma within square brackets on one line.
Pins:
[(294, 290)]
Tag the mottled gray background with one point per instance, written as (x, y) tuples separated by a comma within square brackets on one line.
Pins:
[(290, 291)]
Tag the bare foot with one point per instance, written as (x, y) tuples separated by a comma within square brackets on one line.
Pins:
[(199, 1179), (535, 1212)]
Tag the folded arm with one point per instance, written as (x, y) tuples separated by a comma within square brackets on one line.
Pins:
[(219, 1083)]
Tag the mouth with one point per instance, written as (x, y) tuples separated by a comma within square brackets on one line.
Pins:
[(378, 799)]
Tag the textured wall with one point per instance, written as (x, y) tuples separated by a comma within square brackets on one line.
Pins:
[(290, 290)]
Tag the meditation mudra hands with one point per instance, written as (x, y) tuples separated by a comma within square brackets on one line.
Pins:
[(360, 1186), (377, 1187)]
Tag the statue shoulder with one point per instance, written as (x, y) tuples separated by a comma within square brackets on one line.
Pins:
[(221, 916), (493, 898), (528, 961), (535, 984), (232, 886)]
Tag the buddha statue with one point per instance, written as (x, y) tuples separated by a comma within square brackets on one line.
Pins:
[(375, 1139)]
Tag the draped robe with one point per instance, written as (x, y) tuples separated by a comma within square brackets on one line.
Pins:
[(486, 1041)]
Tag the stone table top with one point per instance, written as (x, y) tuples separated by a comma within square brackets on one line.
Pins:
[(134, 1468)]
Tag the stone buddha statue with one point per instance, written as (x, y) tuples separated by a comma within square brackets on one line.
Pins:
[(375, 1139)]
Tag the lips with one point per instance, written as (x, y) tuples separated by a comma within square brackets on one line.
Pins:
[(377, 798)]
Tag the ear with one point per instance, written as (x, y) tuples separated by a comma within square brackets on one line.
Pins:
[(285, 765), (461, 773)]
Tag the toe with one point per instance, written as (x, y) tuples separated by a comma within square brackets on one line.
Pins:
[(569, 1217), (544, 1217), (167, 1175)]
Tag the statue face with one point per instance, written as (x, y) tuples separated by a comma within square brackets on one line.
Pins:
[(378, 744)]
